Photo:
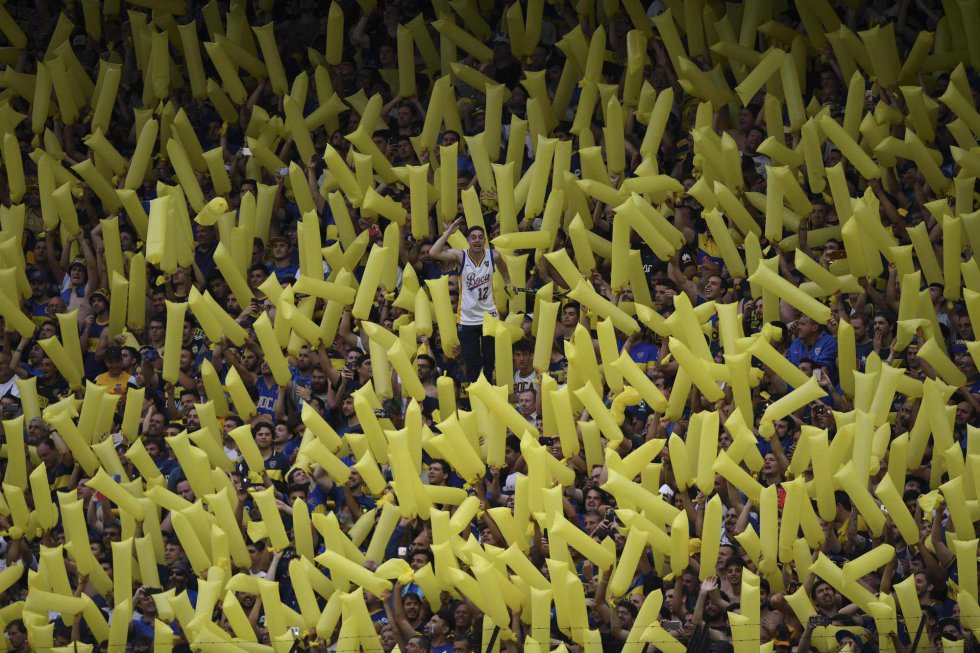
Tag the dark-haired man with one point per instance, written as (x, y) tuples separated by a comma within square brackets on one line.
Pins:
[(476, 268)]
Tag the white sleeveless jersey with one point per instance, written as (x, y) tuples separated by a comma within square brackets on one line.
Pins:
[(476, 289), (522, 383)]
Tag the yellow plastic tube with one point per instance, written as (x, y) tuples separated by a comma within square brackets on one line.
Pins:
[(244, 406), (588, 297), (483, 391), (850, 483), (899, 513), (599, 413), (335, 35), (962, 107), (406, 59), (297, 129), (99, 184), (221, 102), (737, 476), (445, 319), (140, 160), (385, 206), (62, 358), (883, 53), (463, 39), (813, 156), (669, 35), (711, 538), (370, 281), (849, 148), (13, 314), (927, 165), (799, 397), (36, 89), (658, 122), (64, 90), (342, 173), (172, 341), (925, 253), (112, 490), (192, 59), (629, 212), (547, 317), (768, 66), (584, 544), (216, 169), (230, 81), (792, 92), (698, 371), (770, 281), (952, 254), (226, 265), (353, 572), (931, 352), (270, 54), (768, 535), (270, 348), (15, 168), (419, 189), (185, 174)]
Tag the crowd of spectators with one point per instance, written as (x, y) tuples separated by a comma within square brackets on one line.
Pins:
[(68, 275)]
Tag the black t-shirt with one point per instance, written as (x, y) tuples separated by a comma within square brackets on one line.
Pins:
[(610, 644), (862, 351), (509, 76), (276, 466), (51, 393)]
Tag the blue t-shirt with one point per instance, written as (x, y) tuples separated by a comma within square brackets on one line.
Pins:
[(291, 270), (145, 630), (644, 354), (823, 351), (322, 498), (268, 394)]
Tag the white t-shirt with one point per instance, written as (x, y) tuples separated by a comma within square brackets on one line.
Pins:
[(9, 387)]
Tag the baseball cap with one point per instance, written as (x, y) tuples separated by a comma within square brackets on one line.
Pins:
[(101, 292), (841, 634), (35, 274), (113, 353), (278, 239)]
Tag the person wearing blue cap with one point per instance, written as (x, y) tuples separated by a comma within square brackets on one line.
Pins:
[(849, 641)]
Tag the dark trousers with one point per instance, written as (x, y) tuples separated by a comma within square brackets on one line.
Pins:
[(476, 350)]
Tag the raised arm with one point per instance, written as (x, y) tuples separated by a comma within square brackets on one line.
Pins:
[(440, 252), (498, 262)]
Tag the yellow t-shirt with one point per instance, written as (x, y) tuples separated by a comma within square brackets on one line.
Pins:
[(116, 385)]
